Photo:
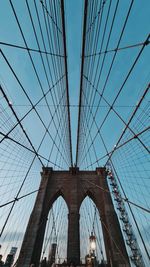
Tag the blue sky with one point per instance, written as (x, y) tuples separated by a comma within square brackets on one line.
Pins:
[(133, 34)]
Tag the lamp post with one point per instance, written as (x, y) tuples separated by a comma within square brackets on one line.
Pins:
[(92, 243), (92, 248)]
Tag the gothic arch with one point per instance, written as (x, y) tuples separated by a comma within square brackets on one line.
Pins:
[(93, 224), (54, 198), (57, 220), (88, 193)]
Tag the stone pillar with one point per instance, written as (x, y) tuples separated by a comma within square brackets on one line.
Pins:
[(70, 184), (73, 246), (114, 243), (33, 240)]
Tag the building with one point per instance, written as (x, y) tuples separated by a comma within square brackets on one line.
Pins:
[(10, 257)]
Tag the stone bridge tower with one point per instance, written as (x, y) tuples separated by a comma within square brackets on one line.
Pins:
[(73, 186)]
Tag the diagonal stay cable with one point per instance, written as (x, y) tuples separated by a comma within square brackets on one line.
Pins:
[(112, 63), (124, 199), (129, 121), (117, 146), (117, 49), (30, 49), (118, 115), (24, 91), (94, 149), (51, 45), (38, 44), (61, 125), (57, 45), (123, 28), (22, 184), (88, 68), (130, 208), (107, 44), (95, 17), (66, 72), (29, 149), (13, 111), (127, 126), (52, 19), (6, 136), (102, 41), (35, 70), (122, 86), (32, 107), (83, 51), (21, 197), (81, 81)]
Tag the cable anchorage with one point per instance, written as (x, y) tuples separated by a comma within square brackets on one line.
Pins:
[(136, 256)]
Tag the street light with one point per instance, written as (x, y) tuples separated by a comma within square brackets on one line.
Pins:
[(92, 239), (92, 243)]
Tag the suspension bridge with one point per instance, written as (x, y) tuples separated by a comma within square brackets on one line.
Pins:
[(74, 133)]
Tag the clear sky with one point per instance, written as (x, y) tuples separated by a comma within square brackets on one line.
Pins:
[(131, 162)]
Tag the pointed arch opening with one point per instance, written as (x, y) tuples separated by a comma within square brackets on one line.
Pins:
[(55, 240), (90, 225)]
